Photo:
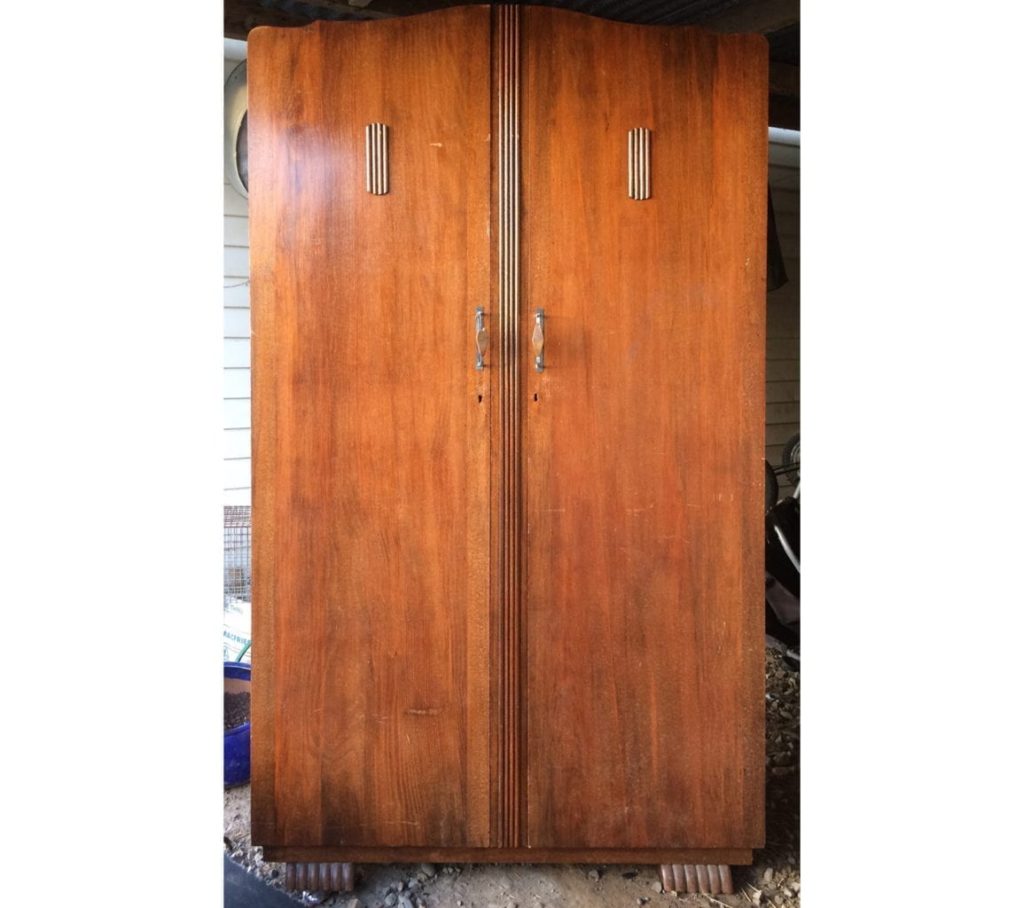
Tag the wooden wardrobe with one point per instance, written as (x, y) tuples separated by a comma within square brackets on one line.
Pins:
[(508, 289)]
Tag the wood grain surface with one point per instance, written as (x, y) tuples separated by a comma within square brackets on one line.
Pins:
[(503, 614), (371, 435), (643, 436)]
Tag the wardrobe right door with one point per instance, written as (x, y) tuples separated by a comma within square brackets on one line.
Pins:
[(644, 156)]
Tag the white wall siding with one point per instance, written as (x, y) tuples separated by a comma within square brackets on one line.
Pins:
[(236, 323), (782, 416), (234, 204), (236, 259), (237, 381), (237, 443)]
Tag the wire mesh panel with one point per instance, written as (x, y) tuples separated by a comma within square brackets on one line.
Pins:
[(237, 579), (237, 553)]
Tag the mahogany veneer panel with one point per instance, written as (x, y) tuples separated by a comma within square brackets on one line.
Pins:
[(501, 614), (643, 436), (371, 508)]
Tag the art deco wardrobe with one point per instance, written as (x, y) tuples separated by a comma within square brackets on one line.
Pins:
[(508, 335)]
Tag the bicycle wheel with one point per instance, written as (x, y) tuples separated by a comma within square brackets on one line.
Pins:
[(791, 458), (771, 487)]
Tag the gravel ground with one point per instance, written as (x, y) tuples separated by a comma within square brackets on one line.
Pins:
[(236, 710), (774, 880)]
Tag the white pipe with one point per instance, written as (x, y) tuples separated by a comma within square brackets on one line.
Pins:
[(235, 50), (784, 136), (786, 548)]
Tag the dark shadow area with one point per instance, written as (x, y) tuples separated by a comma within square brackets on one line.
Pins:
[(245, 890)]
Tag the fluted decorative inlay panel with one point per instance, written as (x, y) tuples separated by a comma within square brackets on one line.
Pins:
[(377, 178), (639, 163), (510, 557)]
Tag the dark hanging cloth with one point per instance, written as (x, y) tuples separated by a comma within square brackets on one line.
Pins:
[(776, 266)]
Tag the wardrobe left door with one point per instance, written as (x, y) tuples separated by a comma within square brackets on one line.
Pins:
[(372, 703)]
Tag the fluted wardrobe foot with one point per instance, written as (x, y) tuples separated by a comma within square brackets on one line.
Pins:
[(319, 876), (711, 879)]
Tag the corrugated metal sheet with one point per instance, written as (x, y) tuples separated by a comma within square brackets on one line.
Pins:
[(666, 12), (663, 12), (242, 15)]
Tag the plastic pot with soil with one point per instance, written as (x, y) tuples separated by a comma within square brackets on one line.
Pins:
[(237, 679)]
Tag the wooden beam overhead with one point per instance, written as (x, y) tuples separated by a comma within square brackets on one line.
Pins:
[(762, 16), (240, 16)]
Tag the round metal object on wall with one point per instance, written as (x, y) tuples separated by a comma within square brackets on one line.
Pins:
[(236, 153)]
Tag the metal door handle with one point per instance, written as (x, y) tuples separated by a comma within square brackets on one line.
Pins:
[(481, 339), (538, 340)]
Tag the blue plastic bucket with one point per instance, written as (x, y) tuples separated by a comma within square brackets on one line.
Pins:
[(237, 679)]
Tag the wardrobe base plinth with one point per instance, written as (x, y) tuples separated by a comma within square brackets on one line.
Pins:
[(424, 854)]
